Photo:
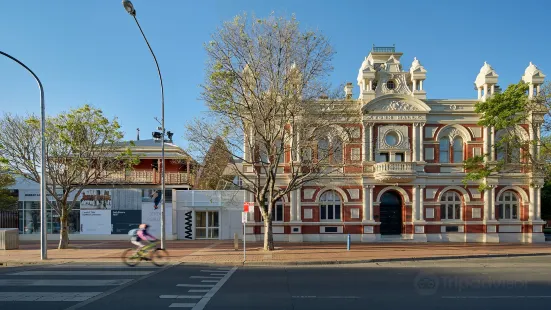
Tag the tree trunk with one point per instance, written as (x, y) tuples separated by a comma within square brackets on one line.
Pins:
[(268, 235), (64, 231)]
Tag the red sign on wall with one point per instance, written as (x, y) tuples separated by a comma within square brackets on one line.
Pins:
[(246, 207)]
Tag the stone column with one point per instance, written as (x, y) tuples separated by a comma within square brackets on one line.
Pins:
[(298, 154), (415, 206), (365, 205), (479, 92), (485, 92), (370, 202), (414, 85), (293, 205), (486, 139), (538, 203), (421, 202), (365, 141), (299, 205), (371, 146), (532, 205), (422, 142), (486, 204), (492, 203), (492, 144), (414, 143), (421, 84)]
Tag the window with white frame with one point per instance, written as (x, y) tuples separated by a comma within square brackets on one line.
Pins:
[(509, 150), (508, 206), (280, 151), (337, 150), (323, 149), (330, 206), (450, 206), (444, 150), (458, 150), (277, 212)]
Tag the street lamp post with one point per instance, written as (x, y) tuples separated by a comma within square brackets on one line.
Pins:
[(43, 234), (130, 9)]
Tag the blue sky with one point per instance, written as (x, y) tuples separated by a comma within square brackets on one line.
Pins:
[(92, 51)]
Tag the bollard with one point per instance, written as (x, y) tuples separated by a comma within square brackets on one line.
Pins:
[(235, 242), (348, 242)]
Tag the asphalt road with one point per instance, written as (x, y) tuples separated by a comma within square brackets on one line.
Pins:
[(499, 283)]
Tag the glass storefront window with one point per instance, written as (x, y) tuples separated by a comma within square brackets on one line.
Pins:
[(29, 218)]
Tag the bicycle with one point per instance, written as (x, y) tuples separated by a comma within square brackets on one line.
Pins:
[(150, 252)]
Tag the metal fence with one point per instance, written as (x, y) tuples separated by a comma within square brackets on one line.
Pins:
[(9, 219)]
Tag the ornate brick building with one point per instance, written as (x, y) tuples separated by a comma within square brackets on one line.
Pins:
[(404, 167)]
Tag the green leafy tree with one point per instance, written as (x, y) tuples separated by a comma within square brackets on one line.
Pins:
[(7, 200), (264, 81), (507, 112), (82, 148)]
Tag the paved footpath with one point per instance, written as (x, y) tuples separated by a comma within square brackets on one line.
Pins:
[(223, 252)]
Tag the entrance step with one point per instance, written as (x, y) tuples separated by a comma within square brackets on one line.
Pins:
[(394, 238)]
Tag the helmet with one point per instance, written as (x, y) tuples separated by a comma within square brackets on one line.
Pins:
[(144, 226)]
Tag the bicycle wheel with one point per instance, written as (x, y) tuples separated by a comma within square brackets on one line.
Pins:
[(159, 257), (130, 258)]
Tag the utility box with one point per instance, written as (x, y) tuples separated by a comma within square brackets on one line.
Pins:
[(9, 238)]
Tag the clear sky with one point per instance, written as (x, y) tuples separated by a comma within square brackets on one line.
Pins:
[(92, 51)]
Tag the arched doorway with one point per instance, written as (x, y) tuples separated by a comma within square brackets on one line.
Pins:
[(391, 213)]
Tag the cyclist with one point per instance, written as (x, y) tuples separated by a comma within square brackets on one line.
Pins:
[(141, 236)]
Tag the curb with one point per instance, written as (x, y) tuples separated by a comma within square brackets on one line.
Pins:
[(292, 263), (364, 261)]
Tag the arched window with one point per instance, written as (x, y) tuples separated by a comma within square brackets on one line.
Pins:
[(508, 206), (508, 148), (337, 150), (450, 206), (458, 150), (444, 150), (323, 149), (330, 206)]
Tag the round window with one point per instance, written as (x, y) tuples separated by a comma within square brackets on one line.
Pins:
[(390, 85), (392, 138)]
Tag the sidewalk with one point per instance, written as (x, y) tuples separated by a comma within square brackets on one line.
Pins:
[(222, 252)]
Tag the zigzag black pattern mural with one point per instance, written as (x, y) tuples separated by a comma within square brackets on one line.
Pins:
[(188, 225)]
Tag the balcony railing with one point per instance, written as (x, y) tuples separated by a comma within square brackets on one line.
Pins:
[(146, 177), (397, 166), (394, 171)]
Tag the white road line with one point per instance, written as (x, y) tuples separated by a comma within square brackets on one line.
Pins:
[(492, 297), (210, 281), (181, 296), (179, 305), (218, 274), (227, 269), (198, 291), (217, 271), (57, 282), (203, 302), (329, 297), (47, 296), (196, 285), (79, 273), (204, 277)]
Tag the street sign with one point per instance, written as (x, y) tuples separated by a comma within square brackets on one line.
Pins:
[(244, 217), (245, 207)]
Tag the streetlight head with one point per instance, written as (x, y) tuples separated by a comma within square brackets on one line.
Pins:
[(129, 7)]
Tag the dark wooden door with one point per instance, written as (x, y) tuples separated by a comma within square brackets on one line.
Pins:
[(391, 214)]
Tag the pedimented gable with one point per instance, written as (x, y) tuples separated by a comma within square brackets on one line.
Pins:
[(393, 103)]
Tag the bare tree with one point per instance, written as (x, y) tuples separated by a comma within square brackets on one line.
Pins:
[(269, 101), (82, 149)]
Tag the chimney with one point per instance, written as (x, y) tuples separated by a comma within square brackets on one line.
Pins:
[(348, 90), (138, 133)]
